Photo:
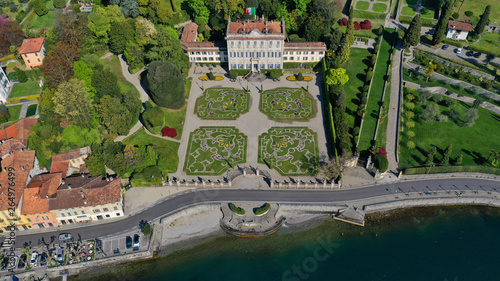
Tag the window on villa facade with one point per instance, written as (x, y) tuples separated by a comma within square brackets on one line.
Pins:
[(277, 66), (270, 43), (232, 43), (312, 52), (278, 43), (96, 211), (106, 210), (63, 214), (249, 66), (83, 212), (240, 66), (320, 53), (262, 66), (285, 58), (116, 208), (45, 217), (117, 214), (270, 66), (304, 58), (306, 53), (107, 216), (233, 66), (210, 58)]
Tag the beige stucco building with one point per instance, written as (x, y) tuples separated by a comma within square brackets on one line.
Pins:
[(33, 52), (251, 44)]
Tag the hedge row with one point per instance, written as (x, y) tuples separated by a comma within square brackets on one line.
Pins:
[(330, 126), (237, 210), (294, 65), (452, 169), (425, 22), (262, 210), (369, 15)]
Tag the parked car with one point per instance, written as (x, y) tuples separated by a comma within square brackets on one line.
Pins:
[(65, 236), (136, 240), (5, 262), (98, 246), (469, 53), (458, 50), (60, 256), (445, 47), (34, 259), (477, 55), (22, 261), (43, 259), (129, 242)]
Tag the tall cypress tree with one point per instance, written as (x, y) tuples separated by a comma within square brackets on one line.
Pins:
[(446, 156), (412, 34), (442, 24), (483, 20)]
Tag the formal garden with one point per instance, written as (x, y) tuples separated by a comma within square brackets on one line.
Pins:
[(213, 150), (438, 130), (287, 104), (292, 151), (222, 104)]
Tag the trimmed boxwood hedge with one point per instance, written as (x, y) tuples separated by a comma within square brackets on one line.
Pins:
[(262, 210), (237, 210)]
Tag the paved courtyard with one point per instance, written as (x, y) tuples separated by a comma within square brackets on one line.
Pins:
[(253, 123)]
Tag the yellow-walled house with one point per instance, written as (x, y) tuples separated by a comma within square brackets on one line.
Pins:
[(33, 52)]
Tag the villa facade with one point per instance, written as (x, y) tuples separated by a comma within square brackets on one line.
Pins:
[(5, 85), (251, 44)]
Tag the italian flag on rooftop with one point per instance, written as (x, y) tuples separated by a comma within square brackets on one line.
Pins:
[(250, 11)]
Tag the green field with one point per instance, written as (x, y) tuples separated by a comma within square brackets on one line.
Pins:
[(47, 21), (477, 7), (473, 142), (25, 89), (14, 112), (113, 63), (214, 150), (292, 151), (408, 11), (187, 86), (426, 13), (222, 104), (174, 118), (490, 41), (379, 7), (372, 110), (167, 150), (356, 69), (362, 5), (287, 104)]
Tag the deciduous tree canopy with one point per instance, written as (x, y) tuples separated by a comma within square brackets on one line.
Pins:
[(166, 84)]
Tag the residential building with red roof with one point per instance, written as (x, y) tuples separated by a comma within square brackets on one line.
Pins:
[(33, 52), (16, 170), (20, 130), (36, 197), (458, 30), (70, 162), (5, 86), (84, 198), (251, 44)]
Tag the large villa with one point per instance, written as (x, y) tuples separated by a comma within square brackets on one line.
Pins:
[(251, 44)]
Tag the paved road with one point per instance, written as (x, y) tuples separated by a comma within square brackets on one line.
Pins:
[(185, 200)]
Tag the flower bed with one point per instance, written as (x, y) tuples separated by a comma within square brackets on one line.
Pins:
[(205, 78), (294, 78)]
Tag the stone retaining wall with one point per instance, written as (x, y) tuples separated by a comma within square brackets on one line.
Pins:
[(397, 204), (449, 175)]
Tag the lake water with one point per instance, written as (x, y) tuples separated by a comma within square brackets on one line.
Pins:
[(460, 243)]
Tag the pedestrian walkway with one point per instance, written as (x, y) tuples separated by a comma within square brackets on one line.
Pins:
[(253, 123), (451, 81), (393, 114), (444, 92)]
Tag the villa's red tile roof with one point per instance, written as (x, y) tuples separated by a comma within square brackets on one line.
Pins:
[(262, 25), (459, 25), (10, 145), (32, 45), (189, 33)]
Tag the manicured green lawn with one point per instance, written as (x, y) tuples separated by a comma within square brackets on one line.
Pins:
[(477, 7), (287, 104), (167, 150), (408, 11), (362, 5), (187, 87), (426, 13), (14, 112), (113, 64), (490, 41), (25, 89), (46, 21), (214, 150), (292, 151), (31, 110), (372, 110), (365, 33), (382, 129), (174, 118), (222, 104), (356, 70), (379, 7), (473, 142)]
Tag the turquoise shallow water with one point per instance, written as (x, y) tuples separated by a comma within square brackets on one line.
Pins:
[(417, 244)]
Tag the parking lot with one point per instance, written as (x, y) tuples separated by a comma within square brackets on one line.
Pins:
[(70, 251)]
